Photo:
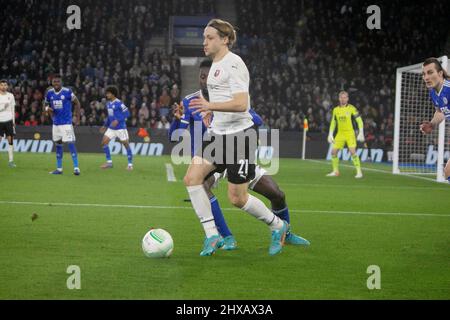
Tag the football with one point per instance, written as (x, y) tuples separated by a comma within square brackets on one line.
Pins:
[(157, 243)]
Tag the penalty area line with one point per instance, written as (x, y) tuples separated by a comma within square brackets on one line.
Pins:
[(170, 173), (377, 170)]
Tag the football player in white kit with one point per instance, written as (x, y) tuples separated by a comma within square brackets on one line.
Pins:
[(229, 100), (7, 118)]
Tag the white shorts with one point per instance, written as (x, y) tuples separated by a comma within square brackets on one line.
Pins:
[(63, 132), (121, 134), (259, 172)]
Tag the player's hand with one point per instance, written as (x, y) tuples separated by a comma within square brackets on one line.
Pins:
[(206, 117), (426, 127), (102, 130), (199, 105), (48, 112), (178, 110), (360, 136), (330, 139), (114, 123)]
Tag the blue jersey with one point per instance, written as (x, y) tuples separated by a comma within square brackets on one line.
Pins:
[(116, 111), (441, 99), (195, 122), (189, 120), (61, 104)]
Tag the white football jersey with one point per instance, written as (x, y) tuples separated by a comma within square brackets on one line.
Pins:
[(227, 77), (7, 106)]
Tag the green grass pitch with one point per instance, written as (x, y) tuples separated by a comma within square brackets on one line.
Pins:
[(398, 223)]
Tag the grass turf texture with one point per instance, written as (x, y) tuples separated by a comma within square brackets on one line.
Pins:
[(411, 250)]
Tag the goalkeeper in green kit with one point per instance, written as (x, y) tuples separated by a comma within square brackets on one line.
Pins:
[(342, 119)]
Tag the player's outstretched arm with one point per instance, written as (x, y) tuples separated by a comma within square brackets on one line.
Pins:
[(48, 111), (239, 103), (332, 127), (427, 126), (77, 108), (360, 124)]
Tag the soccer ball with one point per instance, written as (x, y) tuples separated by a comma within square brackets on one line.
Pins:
[(157, 243)]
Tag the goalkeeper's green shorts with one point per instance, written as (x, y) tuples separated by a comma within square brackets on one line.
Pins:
[(343, 139)]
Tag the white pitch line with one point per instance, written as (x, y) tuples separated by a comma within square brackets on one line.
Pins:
[(130, 206), (378, 170), (359, 186), (170, 173)]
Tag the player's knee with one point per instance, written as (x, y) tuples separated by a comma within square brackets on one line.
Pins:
[(191, 180), (334, 152), (238, 200)]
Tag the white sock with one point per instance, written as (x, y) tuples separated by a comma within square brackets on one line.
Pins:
[(258, 209), (10, 153), (202, 207)]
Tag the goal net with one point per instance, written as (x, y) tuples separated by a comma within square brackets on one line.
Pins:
[(414, 152)]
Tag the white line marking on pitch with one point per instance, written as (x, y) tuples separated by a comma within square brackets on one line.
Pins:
[(360, 186), (378, 170), (65, 204), (170, 173)]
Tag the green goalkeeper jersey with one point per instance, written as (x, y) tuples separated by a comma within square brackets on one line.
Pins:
[(342, 117)]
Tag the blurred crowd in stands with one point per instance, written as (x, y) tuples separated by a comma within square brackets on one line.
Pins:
[(300, 54)]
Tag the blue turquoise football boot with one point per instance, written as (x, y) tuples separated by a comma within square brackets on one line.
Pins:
[(278, 237), (211, 244), (229, 243)]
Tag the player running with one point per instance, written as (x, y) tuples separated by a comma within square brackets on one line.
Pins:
[(437, 81), (58, 104), (115, 127), (342, 116), (262, 184), (228, 88), (7, 119)]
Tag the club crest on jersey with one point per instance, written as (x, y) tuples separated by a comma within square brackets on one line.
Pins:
[(216, 74), (62, 97), (445, 100)]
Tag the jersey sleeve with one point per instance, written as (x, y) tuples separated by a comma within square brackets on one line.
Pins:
[(47, 98), (333, 122), (186, 117), (257, 120), (13, 107), (239, 77), (72, 95), (182, 123), (125, 111), (358, 118), (355, 112)]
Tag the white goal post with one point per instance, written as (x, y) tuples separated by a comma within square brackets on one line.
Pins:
[(415, 153)]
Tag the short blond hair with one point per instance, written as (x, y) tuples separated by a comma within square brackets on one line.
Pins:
[(225, 29)]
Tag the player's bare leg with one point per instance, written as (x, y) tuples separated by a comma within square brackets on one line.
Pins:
[(334, 163), (193, 180), (356, 163), (239, 197), (105, 145), (129, 155)]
